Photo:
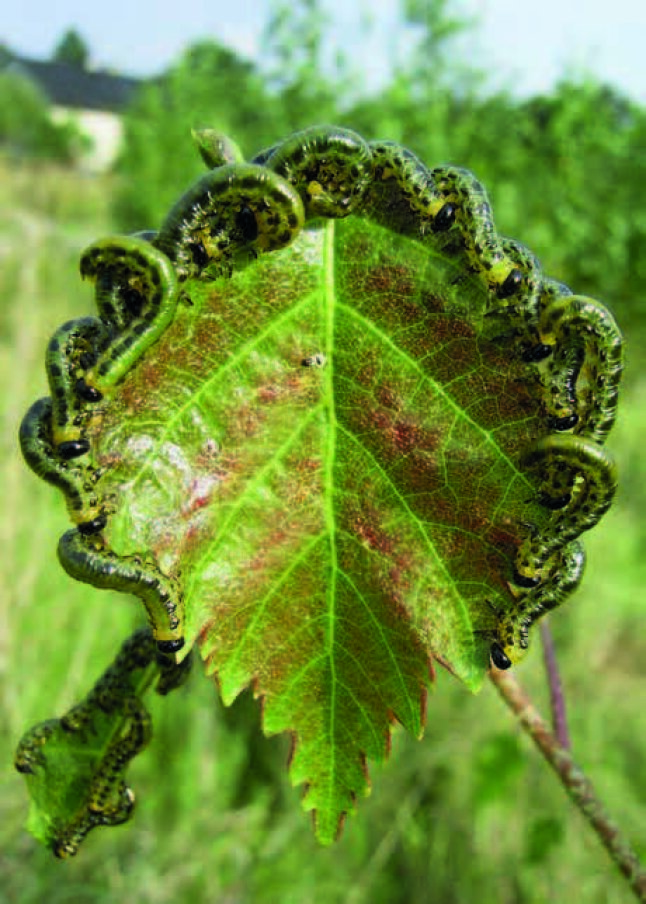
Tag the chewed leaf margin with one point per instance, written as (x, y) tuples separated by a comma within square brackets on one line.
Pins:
[(570, 347)]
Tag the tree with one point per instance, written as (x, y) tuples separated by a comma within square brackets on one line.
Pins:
[(72, 49)]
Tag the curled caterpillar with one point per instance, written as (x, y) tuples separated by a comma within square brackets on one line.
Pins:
[(329, 167), (587, 343), (77, 483), (67, 839), (578, 480), (511, 633), (448, 208), (401, 195), (232, 209), (465, 205), (136, 294), (71, 351), (87, 559)]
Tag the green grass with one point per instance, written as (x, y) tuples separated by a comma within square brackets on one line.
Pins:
[(470, 814)]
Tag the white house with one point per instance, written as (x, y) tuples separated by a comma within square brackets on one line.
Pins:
[(93, 100)]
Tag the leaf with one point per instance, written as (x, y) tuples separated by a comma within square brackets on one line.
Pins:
[(330, 454), (323, 448)]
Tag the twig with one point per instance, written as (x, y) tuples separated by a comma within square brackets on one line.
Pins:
[(576, 784), (557, 699)]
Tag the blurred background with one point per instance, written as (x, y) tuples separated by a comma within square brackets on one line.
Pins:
[(547, 105)]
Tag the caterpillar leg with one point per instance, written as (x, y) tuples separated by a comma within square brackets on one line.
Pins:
[(136, 293), (87, 559)]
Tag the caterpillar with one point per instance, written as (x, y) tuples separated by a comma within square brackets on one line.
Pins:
[(87, 559), (578, 480), (71, 351), (329, 167), (138, 652), (109, 801), (448, 208), (77, 483), (106, 800), (233, 210), (136, 294), (587, 341), (511, 633)]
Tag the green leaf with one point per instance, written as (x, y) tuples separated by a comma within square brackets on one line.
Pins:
[(332, 454), (323, 449)]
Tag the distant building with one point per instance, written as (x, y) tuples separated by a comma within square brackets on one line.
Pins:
[(93, 100)]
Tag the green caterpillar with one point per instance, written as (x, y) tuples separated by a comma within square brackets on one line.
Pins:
[(511, 634), (136, 294), (233, 210), (78, 484), (578, 481), (109, 801), (87, 559), (448, 208), (586, 340), (215, 148), (329, 167), (401, 196), (73, 349)]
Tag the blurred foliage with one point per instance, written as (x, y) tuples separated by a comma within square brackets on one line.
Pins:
[(26, 128), (566, 172), (470, 813)]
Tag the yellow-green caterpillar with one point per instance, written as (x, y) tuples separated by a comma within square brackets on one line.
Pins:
[(77, 482), (511, 632), (87, 559), (72, 351), (235, 209), (136, 295), (588, 349), (577, 482), (329, 167)]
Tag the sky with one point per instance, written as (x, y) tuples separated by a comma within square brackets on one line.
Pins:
[(527, 45)]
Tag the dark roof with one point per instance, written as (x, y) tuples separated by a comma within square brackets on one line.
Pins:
[(71, 86)]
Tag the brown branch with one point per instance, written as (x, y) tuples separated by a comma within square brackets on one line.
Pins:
[(576, 784)]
